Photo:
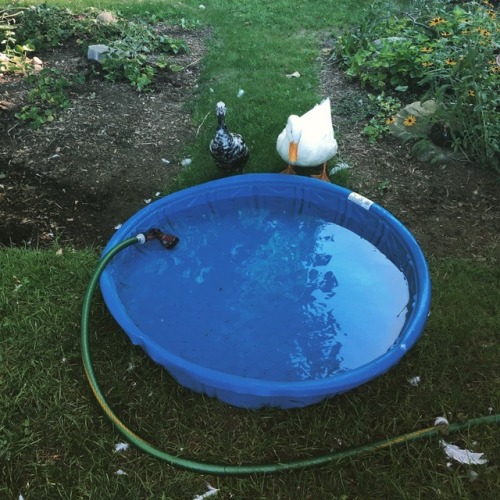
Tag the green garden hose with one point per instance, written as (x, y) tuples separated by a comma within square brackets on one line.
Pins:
[(221, 469)]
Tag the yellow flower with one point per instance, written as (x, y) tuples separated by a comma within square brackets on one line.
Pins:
[(450, 62), (436, 20), (410, 121), (488, 4), (492, 14), (485, 32), (471, 93), (446, 33), (390, 120), (427, 50), (426, 64)]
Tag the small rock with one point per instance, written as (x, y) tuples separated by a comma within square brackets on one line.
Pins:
[(106, 18), (37, 64), (97, 52), (6, 105)]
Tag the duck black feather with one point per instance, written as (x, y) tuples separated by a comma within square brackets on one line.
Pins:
[(228, 150)]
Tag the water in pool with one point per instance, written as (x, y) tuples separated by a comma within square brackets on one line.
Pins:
[(267, 295)]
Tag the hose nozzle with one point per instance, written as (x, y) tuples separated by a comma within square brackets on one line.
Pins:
[(167, 240)]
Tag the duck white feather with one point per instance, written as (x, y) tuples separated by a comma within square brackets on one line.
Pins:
[(308, 140)]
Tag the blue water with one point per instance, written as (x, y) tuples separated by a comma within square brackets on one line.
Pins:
[(266, 294)]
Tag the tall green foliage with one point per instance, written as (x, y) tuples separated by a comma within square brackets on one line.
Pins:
[(445, 53)]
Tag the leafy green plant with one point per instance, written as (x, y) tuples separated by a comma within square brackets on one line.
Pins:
[(447, 54), (44, 26), (381, 51), (384, 186), (138, 54), (47, 97), (387, 107), (464, 79), (13, 56)]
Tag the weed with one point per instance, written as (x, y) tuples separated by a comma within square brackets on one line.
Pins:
[(387, 107), (13, 56), (135, 57), (44, 26), (47, 97), (384, 186)]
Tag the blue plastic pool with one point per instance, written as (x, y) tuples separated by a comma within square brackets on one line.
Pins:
[(282, 291)]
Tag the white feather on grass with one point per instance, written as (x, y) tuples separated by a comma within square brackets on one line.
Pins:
[(463, 456), (441, 421), (211, 491), (121, 447)]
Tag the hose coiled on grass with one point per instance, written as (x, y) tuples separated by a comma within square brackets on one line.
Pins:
[(222, 469)]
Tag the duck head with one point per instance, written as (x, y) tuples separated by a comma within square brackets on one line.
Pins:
[(293, 134), (220, 108)]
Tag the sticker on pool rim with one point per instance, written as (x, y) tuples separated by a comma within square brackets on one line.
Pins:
[(360, 200)]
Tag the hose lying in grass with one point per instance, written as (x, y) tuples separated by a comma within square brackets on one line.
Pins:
[(221, 469)]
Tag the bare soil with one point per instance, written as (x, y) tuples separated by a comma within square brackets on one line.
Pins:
[(103, 159), (77, 178)]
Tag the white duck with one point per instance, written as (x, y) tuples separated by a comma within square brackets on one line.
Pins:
[(308, 140)]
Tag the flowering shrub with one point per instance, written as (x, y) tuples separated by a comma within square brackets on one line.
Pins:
[(448, 54)]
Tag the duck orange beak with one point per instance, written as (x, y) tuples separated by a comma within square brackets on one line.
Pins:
[(293, 149)]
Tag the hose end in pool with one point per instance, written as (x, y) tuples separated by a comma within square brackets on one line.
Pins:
[(167, 240), (141, 238)]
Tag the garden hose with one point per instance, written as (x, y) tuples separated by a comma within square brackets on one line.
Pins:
[(221, 469)]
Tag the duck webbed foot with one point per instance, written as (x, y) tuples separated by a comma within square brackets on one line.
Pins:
[(288, 170), (323, 176)]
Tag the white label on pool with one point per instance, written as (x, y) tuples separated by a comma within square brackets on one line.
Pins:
[(267, 295)]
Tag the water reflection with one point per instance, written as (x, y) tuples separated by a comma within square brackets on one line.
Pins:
[(262, 294)]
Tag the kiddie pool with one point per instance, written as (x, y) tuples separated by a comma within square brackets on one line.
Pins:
[(282, 291)]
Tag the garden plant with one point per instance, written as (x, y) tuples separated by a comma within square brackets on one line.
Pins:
[(447, 53)]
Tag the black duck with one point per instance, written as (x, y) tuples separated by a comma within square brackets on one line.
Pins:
[(228, 150)]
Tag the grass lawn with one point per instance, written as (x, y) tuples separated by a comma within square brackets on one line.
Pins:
[(55, 441)]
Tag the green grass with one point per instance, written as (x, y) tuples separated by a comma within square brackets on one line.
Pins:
[(55, 441)]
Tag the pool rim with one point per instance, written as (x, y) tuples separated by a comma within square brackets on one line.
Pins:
[(222, 384)]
